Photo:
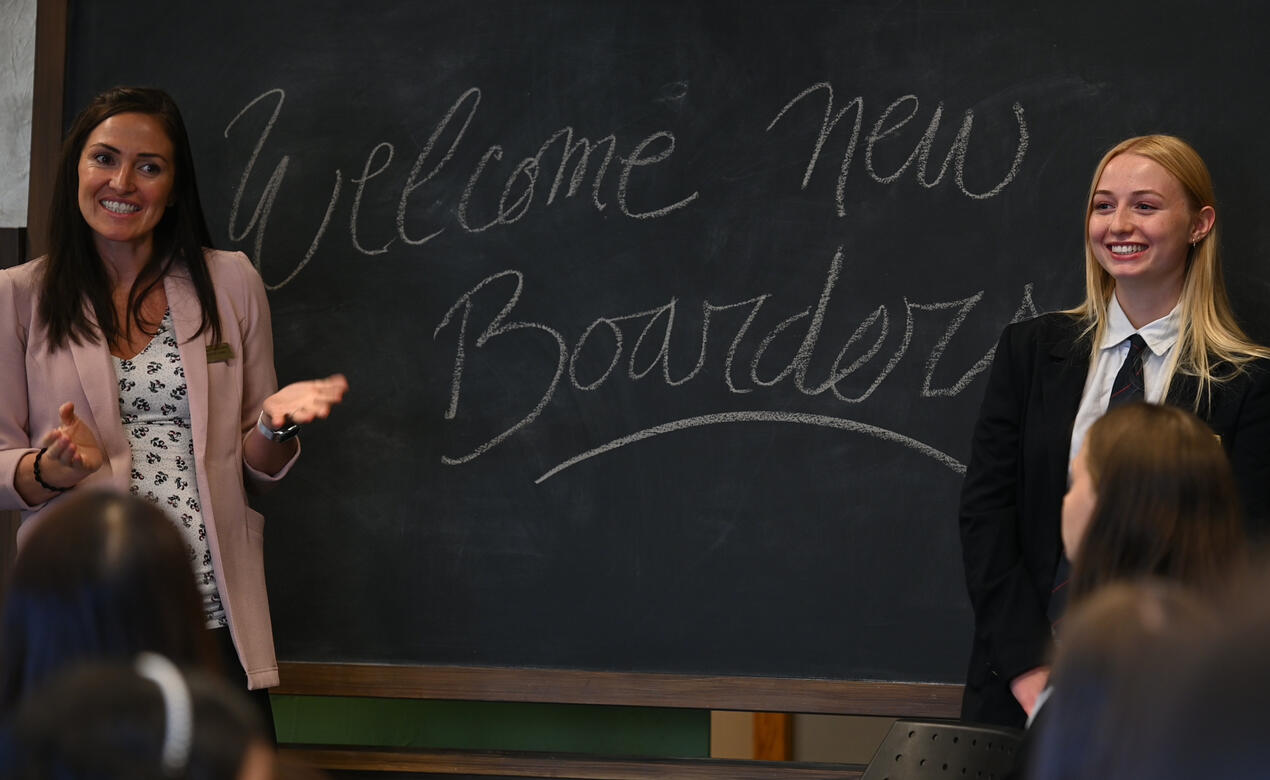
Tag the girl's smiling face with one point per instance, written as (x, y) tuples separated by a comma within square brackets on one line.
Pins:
[(1141, 223)]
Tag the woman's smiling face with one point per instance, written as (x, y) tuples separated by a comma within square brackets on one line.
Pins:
[(126, 177), (1141, 223)]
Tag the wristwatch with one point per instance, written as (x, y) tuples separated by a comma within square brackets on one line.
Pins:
[(286, 432)]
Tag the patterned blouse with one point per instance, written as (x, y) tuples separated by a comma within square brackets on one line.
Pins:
[(155, 409)]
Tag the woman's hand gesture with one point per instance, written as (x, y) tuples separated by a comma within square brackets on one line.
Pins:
[(73, 451), (304, 402)]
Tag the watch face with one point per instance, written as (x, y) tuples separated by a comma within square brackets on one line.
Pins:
[(286, 432)]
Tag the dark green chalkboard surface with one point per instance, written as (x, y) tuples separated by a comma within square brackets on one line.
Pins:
[(666, 322)]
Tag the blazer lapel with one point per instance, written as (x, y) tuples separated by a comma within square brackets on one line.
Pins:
[(97, 379), (1062, 383), (1066, 372), (186, 318)]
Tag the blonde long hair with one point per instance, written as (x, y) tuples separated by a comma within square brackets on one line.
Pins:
[(1209, 337)]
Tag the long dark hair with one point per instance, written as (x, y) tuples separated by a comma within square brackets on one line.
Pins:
[(103, 576), (1166, 501), (75, 295)]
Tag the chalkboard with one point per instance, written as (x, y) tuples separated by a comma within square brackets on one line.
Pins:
[(666, 322)]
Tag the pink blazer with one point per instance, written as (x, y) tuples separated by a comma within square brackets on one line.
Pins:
[(225, 398)]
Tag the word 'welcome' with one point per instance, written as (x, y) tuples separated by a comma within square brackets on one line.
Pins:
[(482, 194)]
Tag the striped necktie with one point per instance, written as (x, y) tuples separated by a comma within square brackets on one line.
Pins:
[(1128, 386)]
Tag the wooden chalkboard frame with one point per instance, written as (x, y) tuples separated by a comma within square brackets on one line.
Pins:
[(472, 763), (632, 689), (51, 23), (568, 686)]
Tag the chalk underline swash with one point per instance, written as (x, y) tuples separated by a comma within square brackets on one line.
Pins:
[(797, 418)]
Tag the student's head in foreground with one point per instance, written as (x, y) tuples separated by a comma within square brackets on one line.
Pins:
[(1102, 673), (1151, 494), (104, 576), (1204, 716), (147, 720)]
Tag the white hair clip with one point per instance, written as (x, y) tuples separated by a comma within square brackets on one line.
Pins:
[(178, 709)]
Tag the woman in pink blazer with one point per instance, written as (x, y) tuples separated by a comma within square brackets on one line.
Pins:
[(133, 357)]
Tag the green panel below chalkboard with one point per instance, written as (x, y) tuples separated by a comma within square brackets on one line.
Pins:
[(627, 731)]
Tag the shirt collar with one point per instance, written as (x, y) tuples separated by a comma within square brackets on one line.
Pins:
[(1159, 335)]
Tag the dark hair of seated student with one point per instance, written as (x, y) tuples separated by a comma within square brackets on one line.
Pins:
[(143, 721), (1099, 676), (105, 576), (1166, 503)]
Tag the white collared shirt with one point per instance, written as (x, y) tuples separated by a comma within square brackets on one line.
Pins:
[(1160, 336)]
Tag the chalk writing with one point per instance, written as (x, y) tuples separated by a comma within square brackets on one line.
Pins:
[(498, 327), (260, 217), (796, 418), (655, 326), (499, 206), (892, 119), (630, 347)]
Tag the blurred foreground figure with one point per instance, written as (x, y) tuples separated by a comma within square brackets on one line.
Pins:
[(146, 721), (1207, 716), (1102, 680), (103, 577)]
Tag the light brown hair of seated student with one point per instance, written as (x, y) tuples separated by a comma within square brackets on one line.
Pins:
[(1166, 503)]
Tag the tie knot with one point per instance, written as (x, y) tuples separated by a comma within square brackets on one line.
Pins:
[(1136, 345), (1128, 385)]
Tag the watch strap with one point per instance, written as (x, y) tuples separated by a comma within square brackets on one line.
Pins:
[(287, 431)]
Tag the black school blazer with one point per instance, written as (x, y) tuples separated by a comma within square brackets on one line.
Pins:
[(1012, 496)]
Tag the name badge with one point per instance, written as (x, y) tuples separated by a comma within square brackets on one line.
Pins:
[(219, 353)]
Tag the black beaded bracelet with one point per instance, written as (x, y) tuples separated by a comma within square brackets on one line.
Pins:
[(40, 479)]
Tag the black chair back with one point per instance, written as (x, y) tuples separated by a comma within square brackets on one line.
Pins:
[(916, 749)]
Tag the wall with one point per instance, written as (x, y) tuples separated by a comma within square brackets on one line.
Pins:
[(17, 68)]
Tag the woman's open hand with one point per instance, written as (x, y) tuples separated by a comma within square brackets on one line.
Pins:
[(304, 402)]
